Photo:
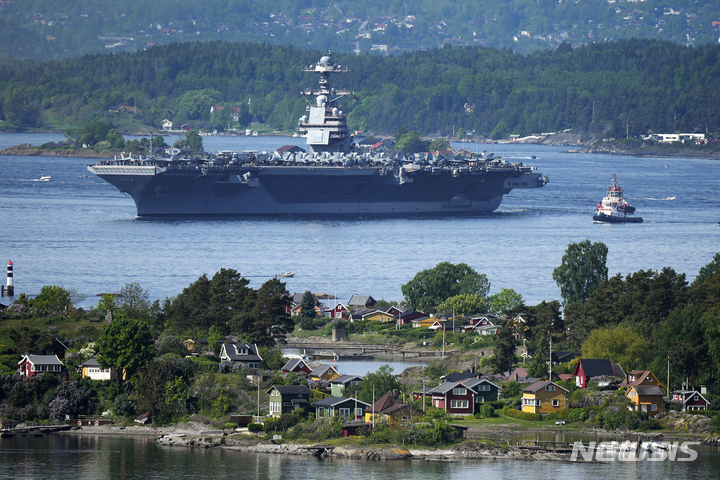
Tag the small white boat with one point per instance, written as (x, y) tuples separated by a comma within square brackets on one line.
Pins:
[(285, 275), (45, 178)]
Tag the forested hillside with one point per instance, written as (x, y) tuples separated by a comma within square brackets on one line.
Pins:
[(628, 87), (52, 29)]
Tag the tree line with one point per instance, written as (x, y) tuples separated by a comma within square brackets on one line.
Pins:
[(612, 89)]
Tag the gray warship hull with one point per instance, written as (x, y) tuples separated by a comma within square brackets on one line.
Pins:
[(167, 191)]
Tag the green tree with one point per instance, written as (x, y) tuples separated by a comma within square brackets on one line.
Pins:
[(133, 301), (194, 142), (504, 301), (53, 298), (503, 357), (271, 322), (621, 345), (429, 288), (125, 344), (439, 144), (466, 305), (583, 268), (28, 339), (412, 143), (308, 302), (380, 382)]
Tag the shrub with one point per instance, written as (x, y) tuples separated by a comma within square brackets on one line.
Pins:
[(255, 427), (487, 411), (229, 426), (511, 412)]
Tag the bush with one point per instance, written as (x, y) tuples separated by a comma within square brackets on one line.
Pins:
[(487, 411), (229, 426), (511, 412), (255, 427)]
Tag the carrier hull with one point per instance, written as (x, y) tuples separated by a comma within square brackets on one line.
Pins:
[(279, 191)]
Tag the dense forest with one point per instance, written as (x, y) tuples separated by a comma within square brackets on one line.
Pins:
[(629, 87), (49, 29)]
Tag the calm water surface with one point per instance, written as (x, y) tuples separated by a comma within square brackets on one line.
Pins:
[(75, 457), (80, 232)]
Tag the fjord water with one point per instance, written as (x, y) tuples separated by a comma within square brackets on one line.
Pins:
[(96, 457), (80, 232)]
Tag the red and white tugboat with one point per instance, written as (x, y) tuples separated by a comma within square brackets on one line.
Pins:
[(613, 208)]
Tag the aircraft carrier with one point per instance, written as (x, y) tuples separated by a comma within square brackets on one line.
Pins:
[(334, 177)]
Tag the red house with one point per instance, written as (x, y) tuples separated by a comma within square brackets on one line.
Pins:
[(31, 365), (602, 370), (338, 311), (460, 398), (690, 399), (296, 365)]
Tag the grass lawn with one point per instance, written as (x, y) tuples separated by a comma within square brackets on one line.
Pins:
[(510, 422)]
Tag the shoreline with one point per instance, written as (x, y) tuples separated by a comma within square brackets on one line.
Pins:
[(198, 435)]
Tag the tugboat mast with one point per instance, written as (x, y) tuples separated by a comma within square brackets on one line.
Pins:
[(325, 126)]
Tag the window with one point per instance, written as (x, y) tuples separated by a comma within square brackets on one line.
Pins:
[(344, 412), (556, 403), (653, 408), (458, 404), (550, 388), (358, 412), (274, 407), (695, 398), (459, 391), (338, 314), (631, 394), (484, 388)]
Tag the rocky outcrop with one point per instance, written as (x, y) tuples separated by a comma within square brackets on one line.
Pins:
[(31, 151)]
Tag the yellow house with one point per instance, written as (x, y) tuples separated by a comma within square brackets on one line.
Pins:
[(388, 409), (379, 316), (295, 311), (423, 322), (324, 372), (646, 399), (543, 396)]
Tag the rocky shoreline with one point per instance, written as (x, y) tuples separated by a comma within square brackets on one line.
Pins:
[(198, 435)]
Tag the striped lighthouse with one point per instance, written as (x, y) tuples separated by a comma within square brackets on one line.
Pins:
[(10, 289)]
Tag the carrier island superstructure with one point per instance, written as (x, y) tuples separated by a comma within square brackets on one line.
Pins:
[(334, 176)]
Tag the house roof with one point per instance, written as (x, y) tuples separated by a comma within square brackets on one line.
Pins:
[(90, 362), (41, 359), (291, 389), (293, 363), (474, 382), (458, 376), (361, 300), (332, 401), (598, 367), (640, 376), (387, 404), (443, 388), (346, 379), (542, 383), (233, 352), (689, 394), (521, 373), (648, 390), (322, 368)]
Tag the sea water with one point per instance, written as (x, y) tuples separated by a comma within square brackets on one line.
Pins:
[(82, 233)]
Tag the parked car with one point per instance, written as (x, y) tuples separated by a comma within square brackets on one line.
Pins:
[(560, 422)]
